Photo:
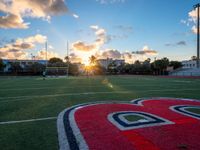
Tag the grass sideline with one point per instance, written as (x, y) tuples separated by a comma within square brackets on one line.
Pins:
[(25, 98)]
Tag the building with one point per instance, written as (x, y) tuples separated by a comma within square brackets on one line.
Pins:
[(106, 62), (189, 68), (189, 64), (22, 63), (81, 67)]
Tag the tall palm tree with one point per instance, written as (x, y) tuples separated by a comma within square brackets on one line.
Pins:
[(93, 60), (66, 58)]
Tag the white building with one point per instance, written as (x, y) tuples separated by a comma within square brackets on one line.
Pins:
[(22, 63), (189, 68), (189, 64)]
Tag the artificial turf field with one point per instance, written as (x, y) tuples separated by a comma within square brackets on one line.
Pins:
[(24, 98)]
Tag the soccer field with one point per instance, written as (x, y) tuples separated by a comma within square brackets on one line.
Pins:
[(29, 105)]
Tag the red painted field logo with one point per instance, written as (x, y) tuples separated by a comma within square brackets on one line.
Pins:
[(143, 124)]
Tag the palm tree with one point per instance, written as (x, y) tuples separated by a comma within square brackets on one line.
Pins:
[(66, 59), (2, 65), (15, 67), (93, 60)]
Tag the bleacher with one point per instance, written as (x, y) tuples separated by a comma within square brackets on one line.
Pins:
[(185, 72)]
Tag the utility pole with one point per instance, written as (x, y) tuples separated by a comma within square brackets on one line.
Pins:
[(197, 7), (46, 48), (154, 64)]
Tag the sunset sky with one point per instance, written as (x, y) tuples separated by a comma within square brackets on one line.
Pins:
[(123, 29)]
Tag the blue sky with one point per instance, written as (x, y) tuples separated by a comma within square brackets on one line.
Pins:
[(132, 24)]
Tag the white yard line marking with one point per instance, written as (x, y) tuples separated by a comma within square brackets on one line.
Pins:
[(22, 98), (65, 87), (29, 120), (171, 90), (55, 95), (180, 81)]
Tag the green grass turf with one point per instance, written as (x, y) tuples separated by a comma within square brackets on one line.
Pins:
[(194, 110), (133, 118), (24, 98)]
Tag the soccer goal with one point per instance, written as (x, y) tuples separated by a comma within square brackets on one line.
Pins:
[(57, 71)]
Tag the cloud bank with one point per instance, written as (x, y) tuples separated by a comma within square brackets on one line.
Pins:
[(16, 10), (41, 55), (145, 51), (180, 43), (192, 20), (129, 57), (81, 51), (101, 38), (17, 49)]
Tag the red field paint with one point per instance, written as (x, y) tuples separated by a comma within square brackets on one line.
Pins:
[(167, 125)]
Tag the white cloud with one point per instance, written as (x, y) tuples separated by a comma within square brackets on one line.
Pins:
[(13, 54), (75, 16), (16, 10), (38, 38), (16, 50), (82, 50), (101, 39), (42, 55), (81, 46), (110, 1), (75, 58), (146, 51), (179, 43), (12, 21), (110, 53), (129, 57), (194, 29), (94, 27), (192, 20)]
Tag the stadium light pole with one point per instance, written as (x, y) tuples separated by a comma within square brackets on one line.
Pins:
[(46, 48), (197, 7), (68, 58)]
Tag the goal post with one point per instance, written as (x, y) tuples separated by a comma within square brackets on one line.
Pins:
[(56, 71)]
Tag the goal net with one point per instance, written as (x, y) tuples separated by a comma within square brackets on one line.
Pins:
[(56, 71)]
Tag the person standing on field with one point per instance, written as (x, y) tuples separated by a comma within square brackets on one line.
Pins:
[(44, 75)]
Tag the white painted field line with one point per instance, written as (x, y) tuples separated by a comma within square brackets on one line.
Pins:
[(55, 95), (180, 81), (22, 98), (47, 87), (171, 90), (103, 85), (29, 120)]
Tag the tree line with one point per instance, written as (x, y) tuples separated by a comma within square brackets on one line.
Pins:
[(56, 66), (157, 67)]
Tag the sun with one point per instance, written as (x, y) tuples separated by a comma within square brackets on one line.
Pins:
[(86, 62)]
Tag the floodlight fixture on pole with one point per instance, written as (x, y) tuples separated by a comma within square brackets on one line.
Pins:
[(46, 48), (197, 6)]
